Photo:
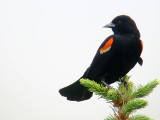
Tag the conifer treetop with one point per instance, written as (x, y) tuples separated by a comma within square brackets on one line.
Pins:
[(126, 99)]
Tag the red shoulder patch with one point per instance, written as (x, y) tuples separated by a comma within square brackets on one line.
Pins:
[(107, 46), (142, 45)]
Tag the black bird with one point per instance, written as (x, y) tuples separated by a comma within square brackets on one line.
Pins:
[(115, 57)]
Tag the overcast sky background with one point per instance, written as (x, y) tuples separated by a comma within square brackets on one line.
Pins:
[(48, 44)]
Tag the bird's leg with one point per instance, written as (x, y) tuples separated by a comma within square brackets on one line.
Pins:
[(106, 85), (124, 82)]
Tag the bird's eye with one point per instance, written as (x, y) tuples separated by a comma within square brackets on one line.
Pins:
[(119, 22)]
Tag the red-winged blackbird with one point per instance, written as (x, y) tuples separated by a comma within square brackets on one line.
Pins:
[(115, 57)]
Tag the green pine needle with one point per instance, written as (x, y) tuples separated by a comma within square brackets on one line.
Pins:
[(94, 87), (145, 90), (140, 117), (126, 93), (133, 105), (113, 95), (99, 89), (125, 78), (110, 118)]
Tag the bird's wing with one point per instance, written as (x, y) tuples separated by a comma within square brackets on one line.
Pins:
[(115, 55), (103, 55)]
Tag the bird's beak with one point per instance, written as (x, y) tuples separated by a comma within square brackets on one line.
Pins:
[(110, 25)]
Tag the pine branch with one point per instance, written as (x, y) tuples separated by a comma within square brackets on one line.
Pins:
[(145, 90), (133, 105), (99, 89), (126, 93), (113, 95), (92, 86), (110, 118), (140, 117), (126, 98)]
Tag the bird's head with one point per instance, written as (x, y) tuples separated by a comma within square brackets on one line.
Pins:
[(123, 25)]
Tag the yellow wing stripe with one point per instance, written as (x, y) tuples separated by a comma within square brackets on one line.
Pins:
[(107, 46)]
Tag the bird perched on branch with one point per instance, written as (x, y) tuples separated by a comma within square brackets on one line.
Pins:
[(115, 57)]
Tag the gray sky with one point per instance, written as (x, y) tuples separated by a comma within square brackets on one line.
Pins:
[(48, 44)]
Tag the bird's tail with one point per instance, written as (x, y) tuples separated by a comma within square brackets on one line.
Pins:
[(76, 92)]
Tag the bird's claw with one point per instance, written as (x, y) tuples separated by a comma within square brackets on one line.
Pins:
[(109, 87), (106, 85)]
